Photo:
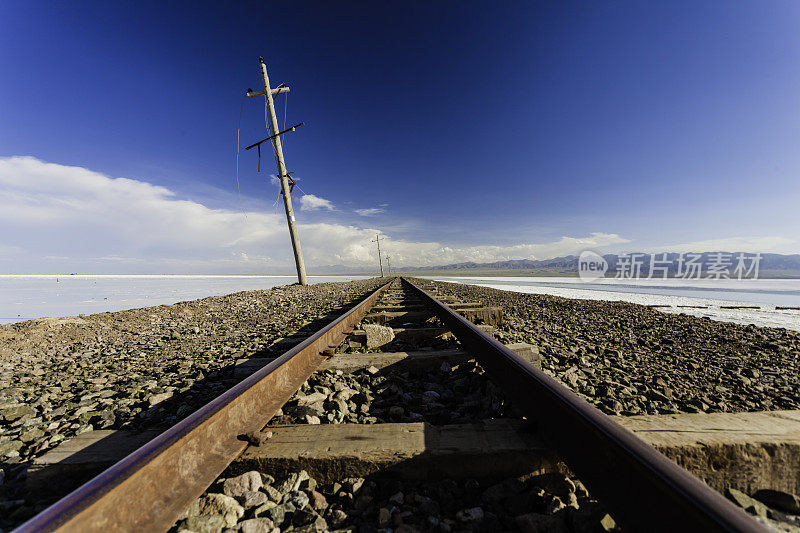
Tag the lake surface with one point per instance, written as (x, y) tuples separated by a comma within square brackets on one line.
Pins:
[(26, 297), (711, 294)]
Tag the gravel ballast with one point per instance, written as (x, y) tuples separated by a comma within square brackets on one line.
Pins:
[(441, 395), (137, 369), (629, 359), (149, 368), (257, 502)]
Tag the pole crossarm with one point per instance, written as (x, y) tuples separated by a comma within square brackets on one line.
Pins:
[(278, 90), (276, 135)]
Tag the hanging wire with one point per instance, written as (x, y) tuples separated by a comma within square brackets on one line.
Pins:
[(238, 129), (275, 203), (269, 130), (299, 187)]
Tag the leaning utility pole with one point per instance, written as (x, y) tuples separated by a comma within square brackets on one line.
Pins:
[(378, 239), (282, 174)]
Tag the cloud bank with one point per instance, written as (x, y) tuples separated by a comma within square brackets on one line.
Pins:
[(732, 244), (310, 202), (56, 218), (371, 211)]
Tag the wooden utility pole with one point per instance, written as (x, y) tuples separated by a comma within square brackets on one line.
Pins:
[(388, 266), (282, 174), (378, 239)]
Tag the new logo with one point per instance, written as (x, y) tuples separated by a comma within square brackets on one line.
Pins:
[(591, 266)]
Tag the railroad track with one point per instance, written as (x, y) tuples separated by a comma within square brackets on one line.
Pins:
[(527, 431)]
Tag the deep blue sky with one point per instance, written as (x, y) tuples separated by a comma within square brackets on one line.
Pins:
[(478, 123)]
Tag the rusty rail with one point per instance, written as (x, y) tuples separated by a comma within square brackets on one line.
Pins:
[(644, 489), (150, 488)]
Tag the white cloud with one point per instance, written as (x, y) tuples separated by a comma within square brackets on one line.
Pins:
[(61, 211), (433, 253), (370, 211), (58, 218), (309, 202), (118, 259), (734, 244)]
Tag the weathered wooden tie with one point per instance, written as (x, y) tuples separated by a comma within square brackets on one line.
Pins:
[(746, 451)]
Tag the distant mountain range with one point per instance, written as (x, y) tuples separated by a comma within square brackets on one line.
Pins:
[(771, 265), (774, 264), (566, 264)]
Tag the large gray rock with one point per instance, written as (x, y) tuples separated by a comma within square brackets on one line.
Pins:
[(250, 499), (158, 398), (203, 524), (273, 493), (217, 505), (10, 446), (378, 335), (317, 500), (13, 413), (237, 486), (278, 513), (751, 505), (263, 510), (312, 398), (256, 525), (297, 498)]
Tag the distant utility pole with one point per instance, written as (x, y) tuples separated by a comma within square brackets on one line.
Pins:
[(388, 265), (282, 174), (378, 239)]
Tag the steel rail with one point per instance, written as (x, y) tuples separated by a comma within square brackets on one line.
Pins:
[(150, 488), (643, 488)]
